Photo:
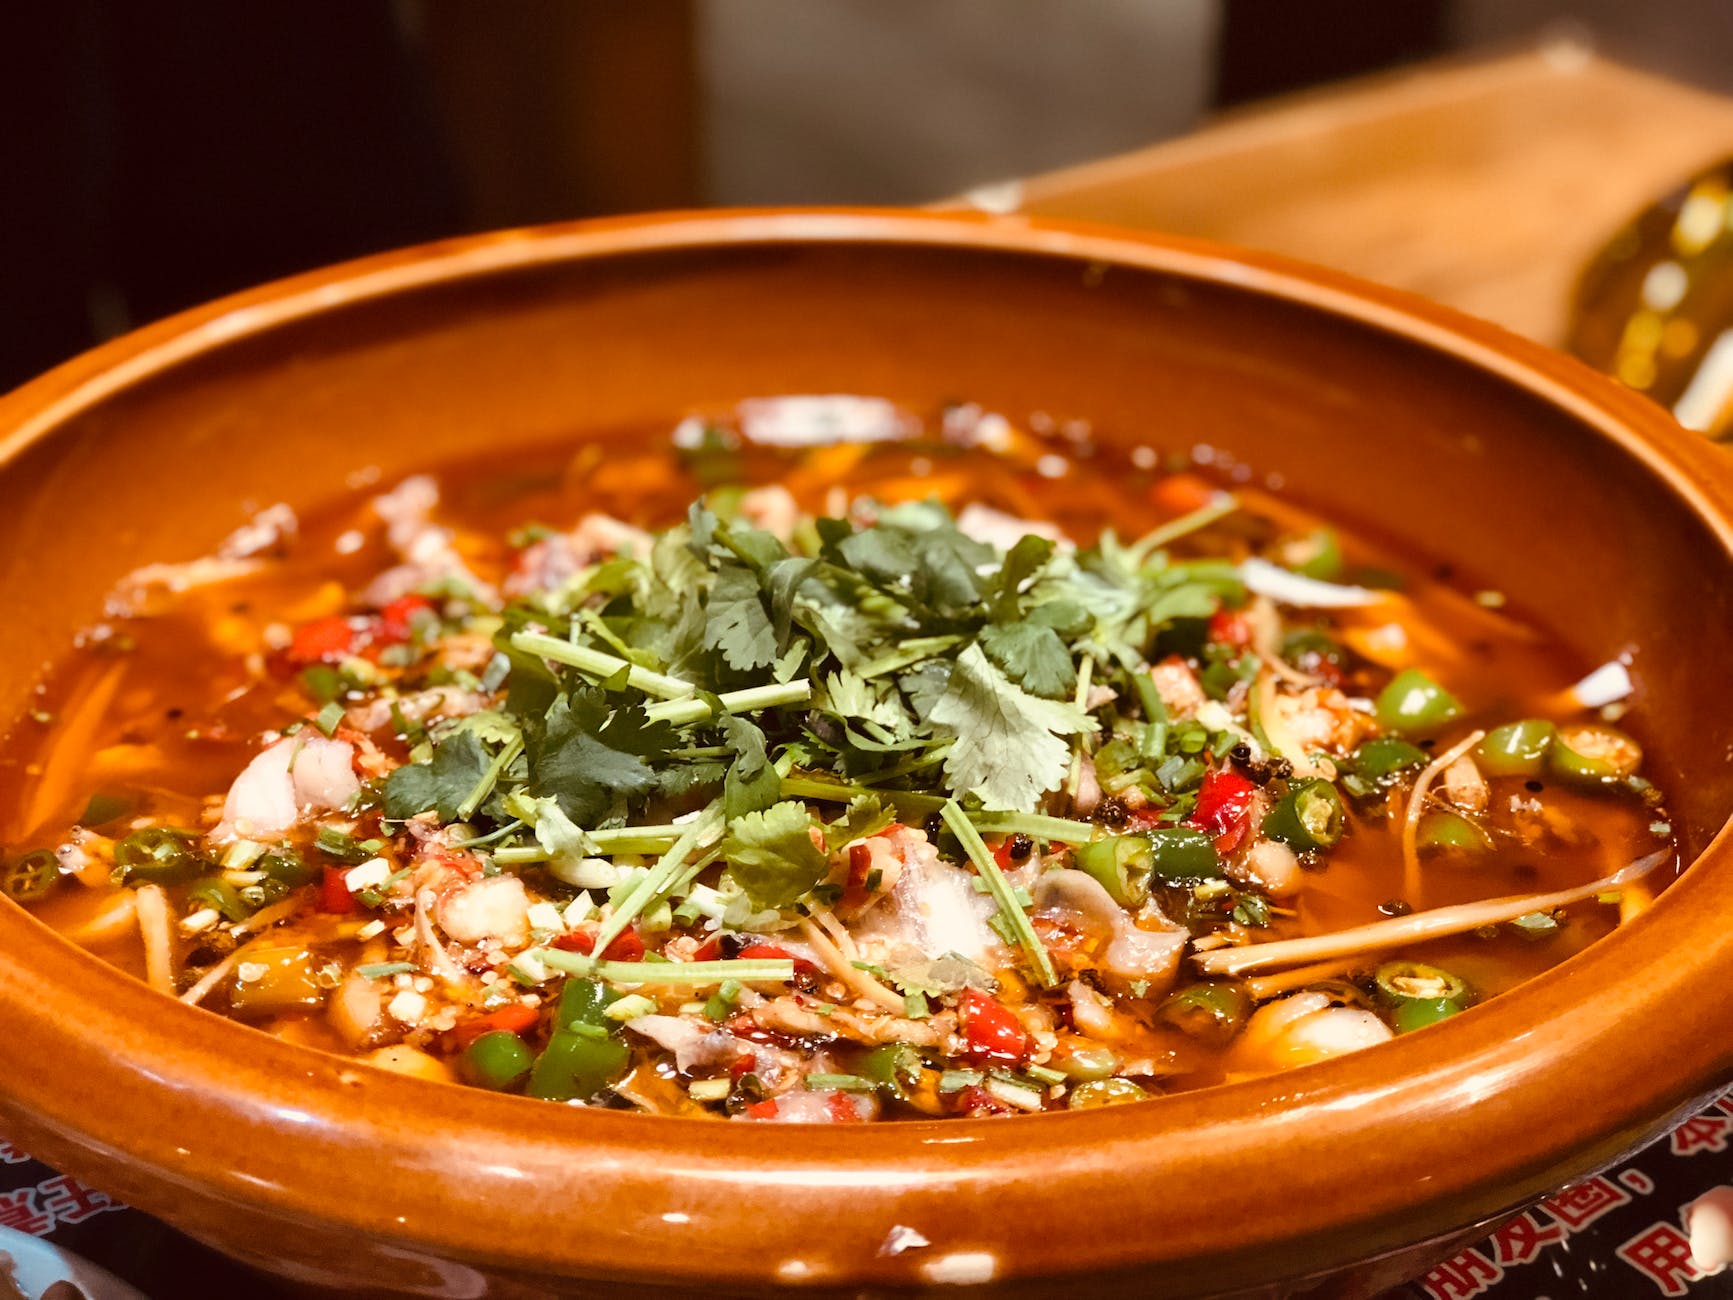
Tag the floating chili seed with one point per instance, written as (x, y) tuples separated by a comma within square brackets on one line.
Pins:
[(1395, 907)]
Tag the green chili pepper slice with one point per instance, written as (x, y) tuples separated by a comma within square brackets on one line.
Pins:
[(1182, 853), (1448, 832), (1386, 756), (1104, 1092), (1308, 817), (161, 855), (31, 878), (1087, 1064), (894, 1068), (1417, 1013), (1414, 981), (1414, 702), (582, 1003), (1122, 864), (575, 1066), (104, 808), (1308, 648), (216, 892), (286, 867), (1589, 754), (1516, 748), (497, 1061), (1213, 1011)]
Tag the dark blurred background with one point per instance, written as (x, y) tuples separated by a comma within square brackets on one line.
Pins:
[(158, 154)]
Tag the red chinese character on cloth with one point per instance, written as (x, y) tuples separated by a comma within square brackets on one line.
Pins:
[(19, 1210), (11, 1155), (71, 1201), (1582, 1203), (1468, 1274), (1522, 1239), (1662, 1254), (1701, 1133), (1724, 1103)]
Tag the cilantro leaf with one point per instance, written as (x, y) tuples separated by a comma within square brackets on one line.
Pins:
[(864, 816), (935, 566), (848, 697), (771, 855), (458, 764), (589, 758), (490, 725), (782, 582), (925, 686), (738, 625), (1009, 749), (752, 783), (1022, 562), (558, 836), (1033, 655), (1189, 600)]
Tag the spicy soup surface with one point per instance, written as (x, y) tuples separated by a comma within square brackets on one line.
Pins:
[(965, 770)]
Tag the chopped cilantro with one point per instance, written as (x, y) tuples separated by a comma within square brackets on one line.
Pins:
[(771, 856)]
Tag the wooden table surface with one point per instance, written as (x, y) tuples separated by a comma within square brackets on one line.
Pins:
[(1484, 185)]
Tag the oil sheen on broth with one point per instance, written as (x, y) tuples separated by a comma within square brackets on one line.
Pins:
[(967, 770)]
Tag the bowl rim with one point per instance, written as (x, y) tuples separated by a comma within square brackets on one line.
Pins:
[(246, 1086)]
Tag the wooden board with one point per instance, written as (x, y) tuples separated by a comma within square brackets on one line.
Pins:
[(1486, 186)]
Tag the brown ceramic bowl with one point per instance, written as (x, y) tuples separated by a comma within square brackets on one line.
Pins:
[(1521, 467)]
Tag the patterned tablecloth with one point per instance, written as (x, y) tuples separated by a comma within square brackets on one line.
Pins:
[(1617, 1236)]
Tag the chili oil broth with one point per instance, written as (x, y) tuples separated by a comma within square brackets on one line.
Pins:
[(161, 712)]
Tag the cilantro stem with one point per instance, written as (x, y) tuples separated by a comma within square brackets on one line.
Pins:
[(617, 839), (599, 629), (597, 664), (1034, 825), (1000, 888), (904, 801), (914, 763), (666, 972), (702, 832), (490, 778), (489, 838), (910, 652), (682, 712), (1085, 676), (1219, 506)]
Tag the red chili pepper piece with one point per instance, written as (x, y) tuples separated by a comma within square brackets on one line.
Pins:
[(515, 1019), (334, 895), (709, 950), (860, 861), (1230, 627), (626, 946), (762, 1110), (1224, 804), (324, 640), (397, 619), (976, 1100), (842, 1109), (992, 1031)]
